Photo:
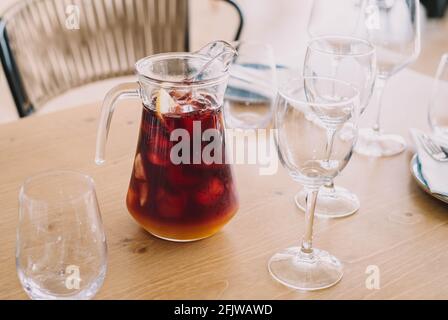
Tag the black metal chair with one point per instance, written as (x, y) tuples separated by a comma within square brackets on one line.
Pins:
[(48, 47), (435, 8)]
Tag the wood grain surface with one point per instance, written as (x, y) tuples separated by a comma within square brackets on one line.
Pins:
[(399, 228)]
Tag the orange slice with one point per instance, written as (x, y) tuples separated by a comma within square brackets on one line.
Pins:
[(164, 103)]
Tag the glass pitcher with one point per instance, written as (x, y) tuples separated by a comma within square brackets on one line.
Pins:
[(181, 188)]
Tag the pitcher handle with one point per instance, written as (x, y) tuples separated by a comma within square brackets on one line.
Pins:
[(125, 90)]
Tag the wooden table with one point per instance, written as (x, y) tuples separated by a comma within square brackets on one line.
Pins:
[(412, 258)]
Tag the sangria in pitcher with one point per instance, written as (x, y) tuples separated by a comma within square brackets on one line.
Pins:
[(181, 187)]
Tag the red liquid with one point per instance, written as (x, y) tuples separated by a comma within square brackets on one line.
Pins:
[(184, 201)]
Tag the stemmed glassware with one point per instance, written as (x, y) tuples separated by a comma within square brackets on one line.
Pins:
[(438, 105), (252, 86), (352, 60), (311, 111), (393, 27), (61, 246)]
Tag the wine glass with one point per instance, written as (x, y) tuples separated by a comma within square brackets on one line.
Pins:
[(352, 60), (438, 105), (393, 27), (311, 111), (329, 17), (252, 86), (61, 246)]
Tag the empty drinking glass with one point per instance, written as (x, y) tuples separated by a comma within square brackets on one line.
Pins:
[(393, 27), (252, 86), (438, 105), (61, 246), (352, 60), (311, 112)]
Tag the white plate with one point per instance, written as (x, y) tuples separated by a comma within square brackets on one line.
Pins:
[(418, 177)]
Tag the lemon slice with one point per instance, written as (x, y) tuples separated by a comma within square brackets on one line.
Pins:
[(164, 102)]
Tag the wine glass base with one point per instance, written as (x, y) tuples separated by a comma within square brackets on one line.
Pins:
[(308, 272), (331, 203), (373, 144)]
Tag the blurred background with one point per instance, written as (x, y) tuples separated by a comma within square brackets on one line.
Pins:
[(282, 23)]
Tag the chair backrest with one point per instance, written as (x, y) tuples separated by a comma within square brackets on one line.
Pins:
[(48, 46)]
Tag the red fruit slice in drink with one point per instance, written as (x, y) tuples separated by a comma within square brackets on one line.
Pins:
[(170, 205), (139, 170), (211, 192)]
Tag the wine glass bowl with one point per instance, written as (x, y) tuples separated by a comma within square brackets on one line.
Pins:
[(329, 17), (310, 107), (344, 58), (394, 28)]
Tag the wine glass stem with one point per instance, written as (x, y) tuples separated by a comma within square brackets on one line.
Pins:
[(307, 241), (380, 84), (330, 131), (330, 141), (328, 150), (334, 71)]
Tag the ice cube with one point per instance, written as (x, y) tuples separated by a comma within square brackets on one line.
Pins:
[(185, 108), (180, 95), (144, 194), (139, 170), (211, 192), (159, 150), (170, 205), (178, 175)]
